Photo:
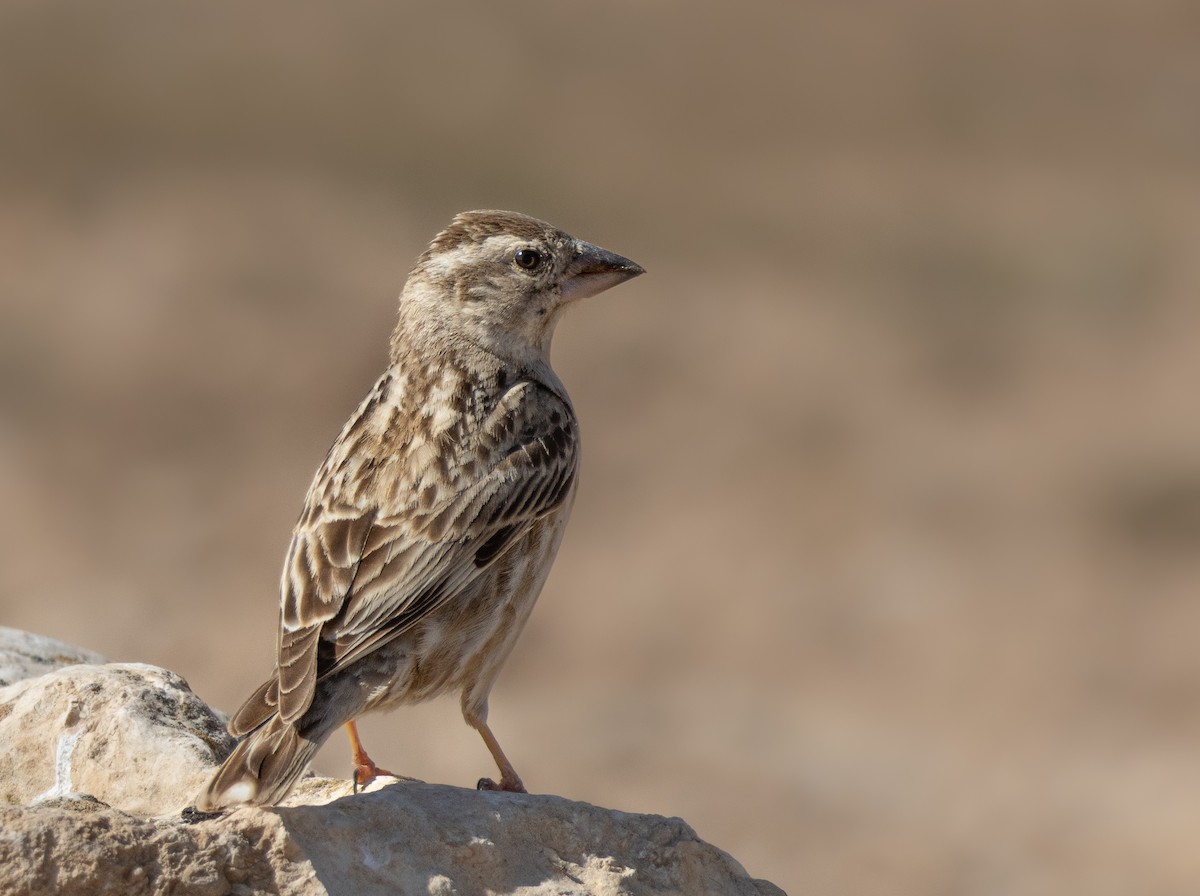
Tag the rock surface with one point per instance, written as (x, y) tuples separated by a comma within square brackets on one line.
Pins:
[(99, 759), (403, 838), (133, 736), (26, 655)]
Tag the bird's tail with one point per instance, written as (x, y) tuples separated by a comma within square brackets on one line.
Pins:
[(262, 769)]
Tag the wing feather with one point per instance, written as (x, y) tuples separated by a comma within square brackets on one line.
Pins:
[(366, 564)]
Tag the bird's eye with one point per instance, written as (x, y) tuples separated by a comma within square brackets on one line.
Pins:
[(528, 259)]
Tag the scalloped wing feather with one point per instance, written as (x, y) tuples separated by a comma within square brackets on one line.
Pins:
[(372, 556)]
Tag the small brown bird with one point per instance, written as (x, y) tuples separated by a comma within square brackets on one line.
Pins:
[(429, 529)]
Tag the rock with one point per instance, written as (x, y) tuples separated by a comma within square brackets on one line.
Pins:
[(26, 655), (133, 736), (98, 761), (402, 838)]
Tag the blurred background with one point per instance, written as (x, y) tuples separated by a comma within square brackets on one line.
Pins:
[(885, 568)]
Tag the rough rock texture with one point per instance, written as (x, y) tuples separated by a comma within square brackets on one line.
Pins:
[(98, 760), (403, 838), (26, 655), (133, 736)]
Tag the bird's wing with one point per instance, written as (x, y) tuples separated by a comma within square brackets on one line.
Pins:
[(360, 572)]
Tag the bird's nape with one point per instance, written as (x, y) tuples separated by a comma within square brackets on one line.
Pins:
[(428, 531)]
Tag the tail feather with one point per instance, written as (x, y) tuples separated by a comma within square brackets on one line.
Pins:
[(261, 770), (257, 709)]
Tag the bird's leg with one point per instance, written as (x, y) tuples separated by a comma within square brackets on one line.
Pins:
[(365, 770), (509, 779)]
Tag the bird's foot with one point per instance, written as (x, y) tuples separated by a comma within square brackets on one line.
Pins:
[(366, 771), (506, 785)]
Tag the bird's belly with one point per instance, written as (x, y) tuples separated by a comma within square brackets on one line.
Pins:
[(462, 645)]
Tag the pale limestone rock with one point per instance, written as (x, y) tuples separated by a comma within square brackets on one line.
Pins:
[(26, 655), (133, 736), (98, 760), (398, 838)]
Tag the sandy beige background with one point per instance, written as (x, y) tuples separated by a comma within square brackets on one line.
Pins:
[(885, 569)]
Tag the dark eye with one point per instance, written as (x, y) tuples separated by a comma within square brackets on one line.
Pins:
[(528, 259)]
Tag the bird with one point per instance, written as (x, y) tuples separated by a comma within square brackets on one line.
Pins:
[(430, 527)]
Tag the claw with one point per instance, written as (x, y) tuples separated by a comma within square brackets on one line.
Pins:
[(514, 786), (365, 770)]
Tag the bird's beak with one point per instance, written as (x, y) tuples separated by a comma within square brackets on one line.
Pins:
[(595, 270)]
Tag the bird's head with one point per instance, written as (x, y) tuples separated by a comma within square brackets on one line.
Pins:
[(500, 280)]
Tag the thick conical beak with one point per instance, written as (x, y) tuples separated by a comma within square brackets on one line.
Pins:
[(595, 270)]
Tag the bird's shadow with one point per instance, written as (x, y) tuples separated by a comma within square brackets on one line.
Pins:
[(421, 838)]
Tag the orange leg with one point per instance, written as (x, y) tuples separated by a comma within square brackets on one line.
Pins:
[(364, 769), (509, 779)]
